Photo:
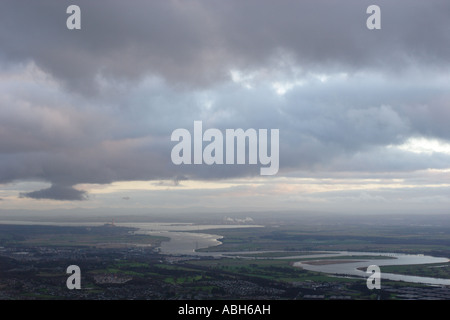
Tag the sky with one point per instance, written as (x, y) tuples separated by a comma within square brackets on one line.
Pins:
[(86, 116)]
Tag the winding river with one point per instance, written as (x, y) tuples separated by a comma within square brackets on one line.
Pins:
[(186, 243), (351, 268), (186, 238)]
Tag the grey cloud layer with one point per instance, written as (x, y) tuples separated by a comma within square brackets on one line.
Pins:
[(196, 42), (98, 105)]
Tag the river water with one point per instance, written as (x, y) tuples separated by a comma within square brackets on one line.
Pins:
[(185, 238), (350, 268), (186, 243)]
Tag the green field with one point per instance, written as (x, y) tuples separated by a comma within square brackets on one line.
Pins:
[(276, 270), (58, 236), (415, 240), (438, 270)]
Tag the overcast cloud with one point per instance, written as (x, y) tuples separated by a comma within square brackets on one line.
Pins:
[(98, 105)]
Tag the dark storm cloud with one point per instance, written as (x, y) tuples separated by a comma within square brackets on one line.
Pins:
[(98, 105), (57, 192)]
